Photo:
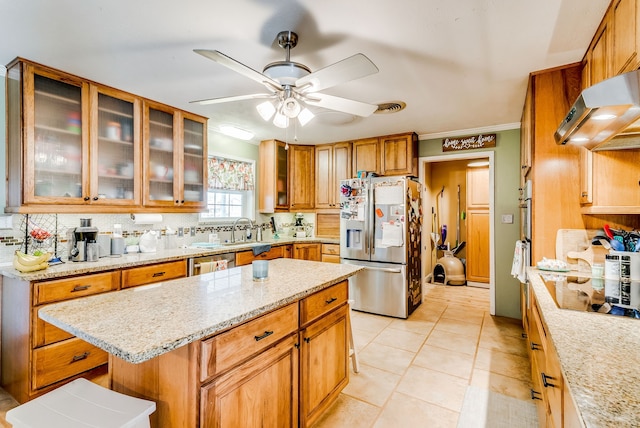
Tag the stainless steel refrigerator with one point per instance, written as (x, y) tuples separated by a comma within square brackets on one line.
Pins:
[(380, 229)]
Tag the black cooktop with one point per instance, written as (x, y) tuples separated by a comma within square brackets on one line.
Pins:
[(605, 296)]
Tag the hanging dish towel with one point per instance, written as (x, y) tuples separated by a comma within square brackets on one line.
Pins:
[(259, 249), (520, 257)]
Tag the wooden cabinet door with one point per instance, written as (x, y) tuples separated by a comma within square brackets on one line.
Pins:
[(365, 156), (599, 64), (398, 154), (302, 177), (526, 136), (478, 188), (273, 166), (262, 392), (55, 132), (324, 176), (115, 147), (624, 27), (191, 180), (160, 139), (324, 371), (307, 252), (478, 246), (586, 176)]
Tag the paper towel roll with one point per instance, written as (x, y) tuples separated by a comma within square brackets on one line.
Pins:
[(146, 218)]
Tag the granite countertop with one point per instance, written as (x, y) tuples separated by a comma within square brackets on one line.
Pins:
[(139, 259), (600, 359), (141, 323)]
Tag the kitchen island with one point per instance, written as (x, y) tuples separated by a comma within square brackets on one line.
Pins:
[(599, 360), (193, 344)]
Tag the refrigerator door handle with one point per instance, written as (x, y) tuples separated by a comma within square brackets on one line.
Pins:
[(390, 270), (372, 222)]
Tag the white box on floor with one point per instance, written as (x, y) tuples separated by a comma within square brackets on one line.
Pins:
[(82, 403)]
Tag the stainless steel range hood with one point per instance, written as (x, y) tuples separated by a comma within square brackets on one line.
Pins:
[(606, 116)]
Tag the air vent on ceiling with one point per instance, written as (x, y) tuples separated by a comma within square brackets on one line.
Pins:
[(392, 107)]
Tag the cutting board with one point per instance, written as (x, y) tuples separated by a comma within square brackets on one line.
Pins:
[(578, 243)]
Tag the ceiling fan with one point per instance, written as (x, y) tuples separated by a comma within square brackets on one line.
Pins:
[(292, 86)]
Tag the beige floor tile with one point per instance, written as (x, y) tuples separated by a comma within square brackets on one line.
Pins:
[(445, 361), (503, 363), (452, 341), (371, 385), (500, 342), (406, 340), (413, 325), (405, 411), (427, 315), (348, 412), (369, 322), (434, 387), (504, 326), (459, 327), (516, 388), (363, 337), (466, 314), (384, 357)]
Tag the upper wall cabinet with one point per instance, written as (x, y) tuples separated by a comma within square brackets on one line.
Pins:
[(77, 145), (333, 163), (614, 47), (366, 156), (399, 154)]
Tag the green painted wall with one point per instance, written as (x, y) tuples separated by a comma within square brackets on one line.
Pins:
[(507, 182), (232, 147), (3, 142)]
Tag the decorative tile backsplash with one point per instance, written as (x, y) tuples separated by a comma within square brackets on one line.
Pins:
[(61, 225)]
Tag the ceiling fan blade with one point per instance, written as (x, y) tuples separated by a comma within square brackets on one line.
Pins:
[(340, 104), (236, 98), (351, 68), (238, 67)]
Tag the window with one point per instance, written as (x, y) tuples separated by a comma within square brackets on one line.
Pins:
[(231, 189)]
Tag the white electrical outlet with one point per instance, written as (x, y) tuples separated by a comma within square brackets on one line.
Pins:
[(507, 218)]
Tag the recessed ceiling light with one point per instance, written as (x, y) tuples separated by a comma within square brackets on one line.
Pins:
[(235, 132)]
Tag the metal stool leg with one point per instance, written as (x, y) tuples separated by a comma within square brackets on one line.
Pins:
[(353, 354)]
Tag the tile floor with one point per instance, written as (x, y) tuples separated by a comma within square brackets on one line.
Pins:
[(414, 372)]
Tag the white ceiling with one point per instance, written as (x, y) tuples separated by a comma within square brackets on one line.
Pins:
[(459, 65)]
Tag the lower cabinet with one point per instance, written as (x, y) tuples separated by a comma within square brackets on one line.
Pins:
[(262, 392), (307, 251), (555, 407), (246, 257)]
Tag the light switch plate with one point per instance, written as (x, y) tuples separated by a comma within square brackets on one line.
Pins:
[(507, 218)]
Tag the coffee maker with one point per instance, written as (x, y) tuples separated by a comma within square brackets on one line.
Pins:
[(80, 238)]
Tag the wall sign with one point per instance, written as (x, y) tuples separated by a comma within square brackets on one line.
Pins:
[(479, 141)]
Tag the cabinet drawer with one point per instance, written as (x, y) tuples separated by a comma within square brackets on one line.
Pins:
[(246, 257), (229, 348), (70, 288), (329, 258), (154, 273), (64, 359), (332, 249), (45, 333), (323, 301)]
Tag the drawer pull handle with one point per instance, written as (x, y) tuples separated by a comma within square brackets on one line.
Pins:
[(266, 334), (307, 339), (157, 274), (80, 288), (534, 395), (80, 357), (535, 346), (331, 300), (544, 381)]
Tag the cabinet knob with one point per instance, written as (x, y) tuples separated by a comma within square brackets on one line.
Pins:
[(95, 198), (177, 201), (86, 198), (584, 194)]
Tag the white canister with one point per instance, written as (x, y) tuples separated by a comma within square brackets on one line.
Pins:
[(117, 246)]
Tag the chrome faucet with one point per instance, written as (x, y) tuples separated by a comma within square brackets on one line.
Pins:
[(235, 224)]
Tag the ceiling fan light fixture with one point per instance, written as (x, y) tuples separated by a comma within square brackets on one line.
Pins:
[(305, 116), (266, 110), (280, 120), (290, 107)]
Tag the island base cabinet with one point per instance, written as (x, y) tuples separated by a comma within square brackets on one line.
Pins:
[(324, 364), (262, 392)]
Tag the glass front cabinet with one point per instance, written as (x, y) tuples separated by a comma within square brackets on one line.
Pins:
[(73, 142)]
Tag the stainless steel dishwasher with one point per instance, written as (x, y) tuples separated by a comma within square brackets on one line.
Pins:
[(194, 264)]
